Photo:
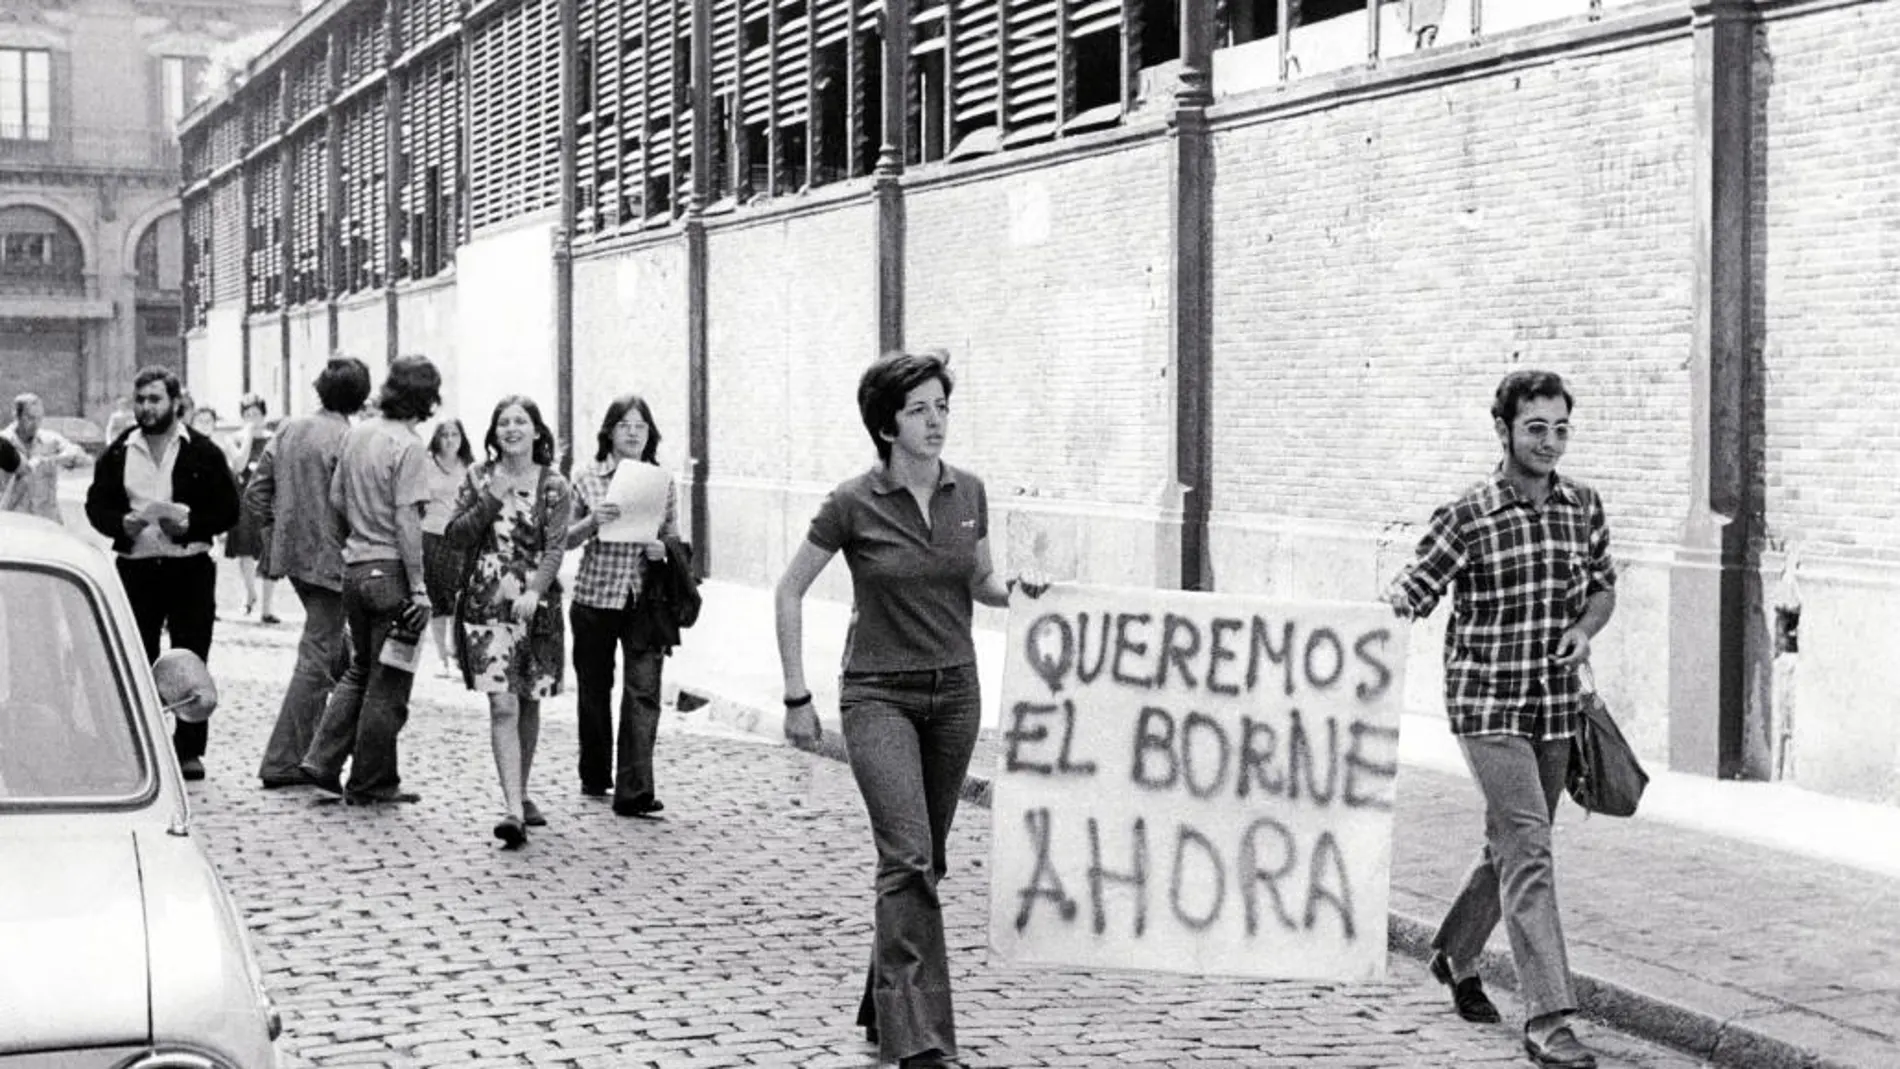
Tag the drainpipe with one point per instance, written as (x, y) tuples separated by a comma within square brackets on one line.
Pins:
[(564, 233), (1191, 311)]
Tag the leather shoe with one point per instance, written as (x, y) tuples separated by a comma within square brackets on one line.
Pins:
[(644, 807), (1563, 1050), (332, 783), (192, 768), (381, 798), (512, 833), (1467, 995), (531, 815), (595, 790), (930, 1059)]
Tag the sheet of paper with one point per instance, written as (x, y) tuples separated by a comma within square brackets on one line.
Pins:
[(155, 511), (640, 491)]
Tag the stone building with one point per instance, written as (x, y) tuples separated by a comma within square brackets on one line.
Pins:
[(91, 245), (1227, 284)]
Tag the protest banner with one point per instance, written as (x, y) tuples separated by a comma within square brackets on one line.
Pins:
[(1196, 783)]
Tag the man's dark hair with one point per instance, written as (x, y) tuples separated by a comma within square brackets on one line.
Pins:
[(411, 390), (1521, 386), (616, 412), (343, 385), (463, 452), (884, 385), (253, 401), (543, 434), (151, 373)]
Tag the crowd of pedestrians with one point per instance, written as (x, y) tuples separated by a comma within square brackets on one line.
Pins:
[(383, 535)]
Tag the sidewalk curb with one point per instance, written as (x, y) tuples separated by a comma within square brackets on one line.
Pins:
[(1719, 1042)]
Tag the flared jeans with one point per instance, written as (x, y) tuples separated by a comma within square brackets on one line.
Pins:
[(909, 736)]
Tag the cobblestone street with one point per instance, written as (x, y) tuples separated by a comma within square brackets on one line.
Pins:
[(731, 933)]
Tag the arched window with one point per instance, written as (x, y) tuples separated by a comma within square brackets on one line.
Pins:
[(160, 256), (39, 253)]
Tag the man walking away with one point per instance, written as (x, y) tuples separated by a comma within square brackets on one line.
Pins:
[(162, 493), (378, 490), (289, 500), (1530, 552), (43, 453)]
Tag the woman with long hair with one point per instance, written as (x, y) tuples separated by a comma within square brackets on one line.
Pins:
[(245, 543), (513, 514), (607, 616), (450, 457), (914, 532)]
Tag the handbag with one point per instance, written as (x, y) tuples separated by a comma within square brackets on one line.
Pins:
[(1604, 775)]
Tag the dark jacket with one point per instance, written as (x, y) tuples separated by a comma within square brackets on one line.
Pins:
[(669, 599), (201, 481)]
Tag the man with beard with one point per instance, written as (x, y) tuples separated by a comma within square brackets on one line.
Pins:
[(162, 493), (289, 499)]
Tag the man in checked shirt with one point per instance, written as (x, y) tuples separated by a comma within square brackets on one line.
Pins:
[(1529, 553)]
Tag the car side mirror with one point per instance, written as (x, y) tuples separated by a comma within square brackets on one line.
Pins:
[(185, 685)]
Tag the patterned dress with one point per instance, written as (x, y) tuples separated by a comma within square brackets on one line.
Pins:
[(513, 540)]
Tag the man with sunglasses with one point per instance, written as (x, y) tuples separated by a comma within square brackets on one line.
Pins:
[(1529, 552)]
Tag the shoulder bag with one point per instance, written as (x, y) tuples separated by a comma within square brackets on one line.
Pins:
[(1604, 775)]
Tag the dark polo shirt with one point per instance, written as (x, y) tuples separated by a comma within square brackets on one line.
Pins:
[(910, 582)]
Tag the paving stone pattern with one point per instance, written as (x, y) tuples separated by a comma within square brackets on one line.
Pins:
[(732, 933)]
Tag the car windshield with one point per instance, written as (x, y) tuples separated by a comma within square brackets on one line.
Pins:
[(65, 726)]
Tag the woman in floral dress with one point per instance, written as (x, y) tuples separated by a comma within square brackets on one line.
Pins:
[(513, 514)]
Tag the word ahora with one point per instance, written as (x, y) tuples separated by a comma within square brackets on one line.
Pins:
[(1264, 878)]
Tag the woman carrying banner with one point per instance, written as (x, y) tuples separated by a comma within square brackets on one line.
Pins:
[(914, 532)]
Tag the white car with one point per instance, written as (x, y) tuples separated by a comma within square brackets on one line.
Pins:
[(119, 946)]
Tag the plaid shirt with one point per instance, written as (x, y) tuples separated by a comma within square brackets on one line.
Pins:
[(1523, 578), (611, 572)]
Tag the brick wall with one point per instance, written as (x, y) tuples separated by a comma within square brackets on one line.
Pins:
[(630, 337), (1828, 185), (267, 365), (504, 326), (792, 318), (1832, 313), (309, 351), (362, 330), (426, 326), (1049, 286), (1379, 265)]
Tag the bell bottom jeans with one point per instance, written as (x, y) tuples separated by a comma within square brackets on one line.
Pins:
[(370, 704), (909, 736), (310, 683), (622, 764), (1515, 878)]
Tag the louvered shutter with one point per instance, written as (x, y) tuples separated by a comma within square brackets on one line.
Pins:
[(1031, 56), (515, 114), (631, 149), (725, 89), (304, 273), (755, 105), (197, 285), (792, 79), (974, 64), (263, 239), (363, 221), (308, 89), (227, 240)]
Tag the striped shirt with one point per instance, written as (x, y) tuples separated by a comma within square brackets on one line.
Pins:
[(1523, 577), (611, 573)]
